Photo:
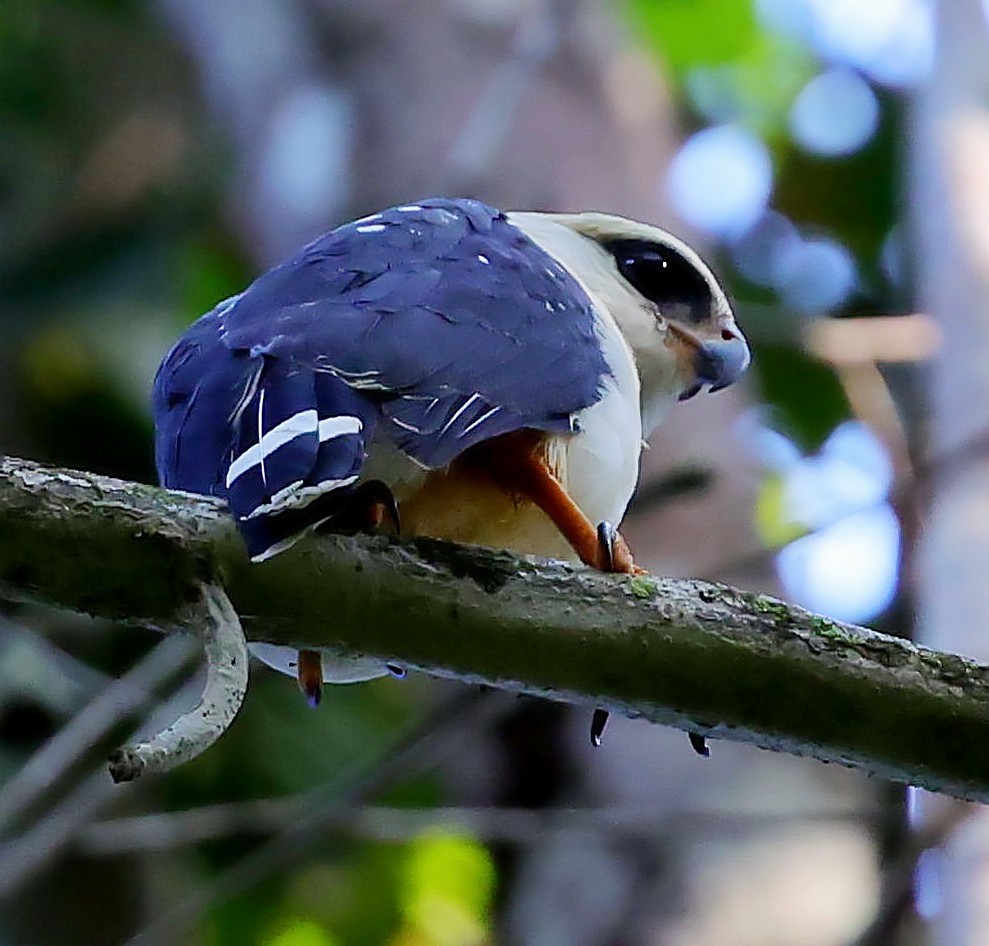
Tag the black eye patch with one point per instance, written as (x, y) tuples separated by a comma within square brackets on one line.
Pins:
[(663, 276)]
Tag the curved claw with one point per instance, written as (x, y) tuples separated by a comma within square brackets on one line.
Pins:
[(613, 554), (699, 744), (607, 535), (598, 721)]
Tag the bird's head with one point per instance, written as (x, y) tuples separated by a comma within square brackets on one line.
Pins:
[(664, 299)]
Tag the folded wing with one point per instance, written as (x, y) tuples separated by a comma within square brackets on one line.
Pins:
[(436, 325)]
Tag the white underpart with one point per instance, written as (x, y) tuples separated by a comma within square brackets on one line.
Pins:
[(336, 668), (305, 422), (602, 461)]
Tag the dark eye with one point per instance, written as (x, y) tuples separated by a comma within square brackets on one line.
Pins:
[(663, 276)]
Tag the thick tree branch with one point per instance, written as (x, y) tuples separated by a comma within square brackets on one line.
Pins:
[(700, 656)]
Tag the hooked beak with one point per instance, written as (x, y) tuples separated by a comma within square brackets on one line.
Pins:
[(717, 362)]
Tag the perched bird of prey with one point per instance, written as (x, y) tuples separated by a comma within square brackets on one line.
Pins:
[(444, 369)]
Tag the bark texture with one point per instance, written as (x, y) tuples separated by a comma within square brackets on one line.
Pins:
[(696, 655)]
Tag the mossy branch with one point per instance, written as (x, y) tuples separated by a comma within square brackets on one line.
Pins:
[(700, 656)]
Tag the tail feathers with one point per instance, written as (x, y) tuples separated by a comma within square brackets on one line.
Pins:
[(300, 441), (194, 393)]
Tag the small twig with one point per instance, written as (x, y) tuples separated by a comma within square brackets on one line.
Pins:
[(489, 122), (164, 831), (223, 694), (116, 702), (21, 858), (897, 899), (409, 755)]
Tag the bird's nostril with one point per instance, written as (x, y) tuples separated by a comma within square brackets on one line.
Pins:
[(720, 361)]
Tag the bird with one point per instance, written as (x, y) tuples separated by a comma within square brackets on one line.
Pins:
[(443, 368)]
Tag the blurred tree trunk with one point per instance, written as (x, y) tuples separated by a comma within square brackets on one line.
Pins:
[(544, 106), (950, 215)]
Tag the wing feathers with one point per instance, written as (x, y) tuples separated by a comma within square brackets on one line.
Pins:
[(438, 323)]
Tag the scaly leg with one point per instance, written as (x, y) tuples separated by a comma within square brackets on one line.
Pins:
[(518, 463), (310, 675), (370, 507)]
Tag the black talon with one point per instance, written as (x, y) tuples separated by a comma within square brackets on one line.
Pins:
[(690, 392), (606, 542), (699, 744), (369, 507), (598, 721), (396, 671)]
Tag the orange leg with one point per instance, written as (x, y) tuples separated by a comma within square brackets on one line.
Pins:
[(310, 675), (518, 462), (370, 508)]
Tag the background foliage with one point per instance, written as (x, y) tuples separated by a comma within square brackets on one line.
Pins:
[(155, 155)]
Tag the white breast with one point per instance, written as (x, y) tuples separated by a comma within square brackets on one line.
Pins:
[(602, 461)]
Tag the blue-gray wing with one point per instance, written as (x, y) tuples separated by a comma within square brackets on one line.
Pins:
[(436, 325)]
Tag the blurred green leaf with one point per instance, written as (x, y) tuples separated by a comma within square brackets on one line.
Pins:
[(755, 90), (301, 932), (773, 525), (806, 401), (447, 889), (208, 271), (694, 32)]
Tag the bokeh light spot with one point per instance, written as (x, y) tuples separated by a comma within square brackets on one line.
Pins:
[(756, 252), (814, 276), (891, 41), (721, 179), (835, 114), (448, 885), (847, 570), (307, 156)]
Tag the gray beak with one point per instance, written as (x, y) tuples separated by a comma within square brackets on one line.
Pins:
[(721, 362)]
